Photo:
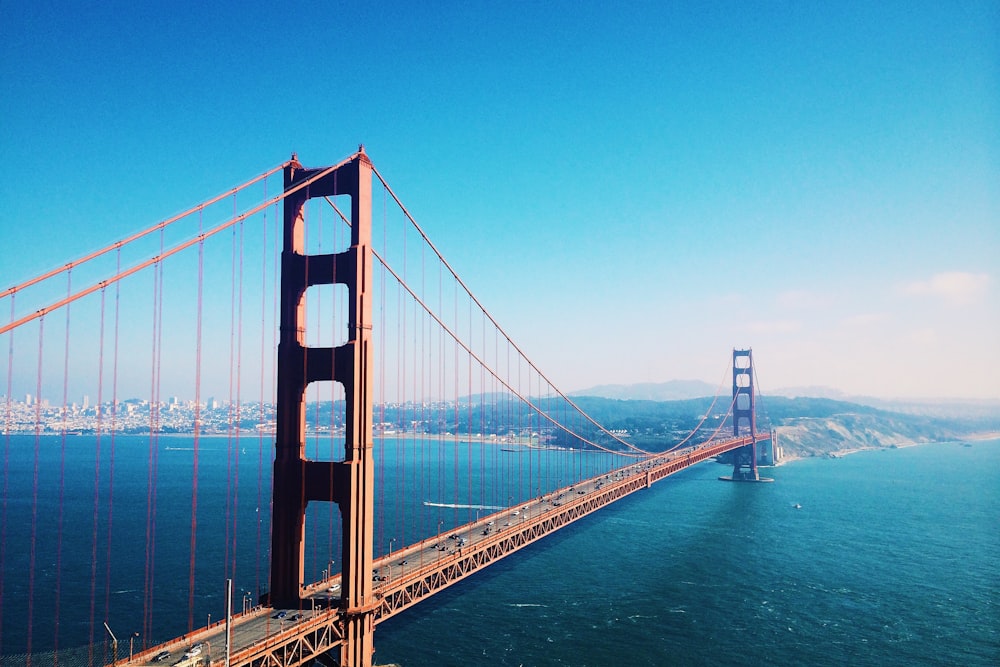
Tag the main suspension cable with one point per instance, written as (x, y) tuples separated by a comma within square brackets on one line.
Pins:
[(138, 235)]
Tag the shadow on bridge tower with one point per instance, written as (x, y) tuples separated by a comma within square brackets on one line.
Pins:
[(744, 459), (298, 480)]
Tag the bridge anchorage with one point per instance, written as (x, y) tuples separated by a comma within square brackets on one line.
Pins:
[(744, 459)]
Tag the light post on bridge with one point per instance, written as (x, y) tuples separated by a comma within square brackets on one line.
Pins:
[(391, 540), (130, 640)]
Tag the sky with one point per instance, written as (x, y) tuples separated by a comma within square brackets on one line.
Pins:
[(632, 190)]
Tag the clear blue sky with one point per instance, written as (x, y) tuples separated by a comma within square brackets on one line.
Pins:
[(632, 189)]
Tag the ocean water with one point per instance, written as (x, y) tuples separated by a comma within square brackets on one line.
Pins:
[(878, 558), (892, 559)]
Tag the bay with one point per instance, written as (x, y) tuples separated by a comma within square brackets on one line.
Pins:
[(882, 557), (890, 559)]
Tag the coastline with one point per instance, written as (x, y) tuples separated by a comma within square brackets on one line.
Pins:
[(840, 453)]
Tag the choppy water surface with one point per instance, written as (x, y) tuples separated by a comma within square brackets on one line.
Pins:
[(891, 559), (878, 558)]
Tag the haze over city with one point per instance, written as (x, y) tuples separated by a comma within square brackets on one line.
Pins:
[(631, 192)]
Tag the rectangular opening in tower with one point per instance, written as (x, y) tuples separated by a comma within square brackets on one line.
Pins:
[(325, 408), (326, 315)]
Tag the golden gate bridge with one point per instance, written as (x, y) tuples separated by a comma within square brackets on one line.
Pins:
[(411, 442)]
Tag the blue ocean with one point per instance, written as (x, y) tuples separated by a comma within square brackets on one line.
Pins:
[(878, 558), (882, 557)]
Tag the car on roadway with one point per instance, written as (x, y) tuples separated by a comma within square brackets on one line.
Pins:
[(280, 614), (161, 656)]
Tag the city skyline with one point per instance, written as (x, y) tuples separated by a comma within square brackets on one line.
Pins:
[(631, 194)]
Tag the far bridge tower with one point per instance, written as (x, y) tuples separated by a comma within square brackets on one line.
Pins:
[(744, 459)]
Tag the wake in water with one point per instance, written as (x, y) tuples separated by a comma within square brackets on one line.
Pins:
[(464, 507)]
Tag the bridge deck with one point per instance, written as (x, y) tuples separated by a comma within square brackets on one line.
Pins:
[(266, 637)]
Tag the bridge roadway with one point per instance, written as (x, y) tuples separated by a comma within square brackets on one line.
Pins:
[(267, 637)]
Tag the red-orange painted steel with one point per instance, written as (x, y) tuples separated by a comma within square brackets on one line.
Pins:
[(324, 630), (297, 480)]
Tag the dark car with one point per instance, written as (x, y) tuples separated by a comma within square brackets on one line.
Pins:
[(161, 656)]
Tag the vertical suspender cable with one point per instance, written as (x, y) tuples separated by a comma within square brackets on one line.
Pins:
[(200, 287), (442, 398), (230, 403), (481, 499), (274, 380), (239, 402), (155, 411), (97, 469), (6, 461), (380, 537), (461, 491), (62, 476), (151, 478), (423, 394), (261, 416), (34, 488), (400, 449), (111, 466)]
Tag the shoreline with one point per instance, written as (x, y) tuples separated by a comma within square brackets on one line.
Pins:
[(840, 453)]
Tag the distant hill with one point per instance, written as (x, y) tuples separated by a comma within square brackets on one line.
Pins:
[(967, 408), (806, 426), (817, 426), (674, 390)]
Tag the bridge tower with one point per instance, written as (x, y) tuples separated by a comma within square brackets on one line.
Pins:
[(744, 419), (298, 480)]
